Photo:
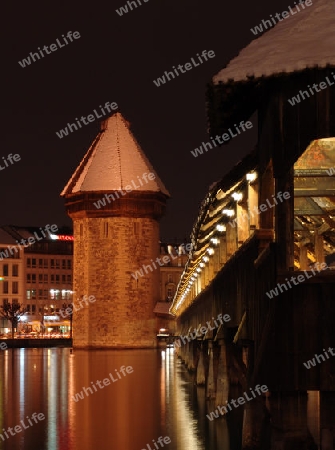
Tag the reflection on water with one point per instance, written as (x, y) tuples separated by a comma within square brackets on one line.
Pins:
[(158, 399), (132, 413)]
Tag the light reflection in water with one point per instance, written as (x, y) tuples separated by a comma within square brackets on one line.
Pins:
[(158, 399)]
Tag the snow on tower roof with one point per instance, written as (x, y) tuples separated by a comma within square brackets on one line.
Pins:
[(113, 161), (303, 40)]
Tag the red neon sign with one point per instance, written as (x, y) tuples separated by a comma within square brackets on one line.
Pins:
[(64, 237)]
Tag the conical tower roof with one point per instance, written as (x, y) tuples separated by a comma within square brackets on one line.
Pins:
[(114, 161), (303, 40)]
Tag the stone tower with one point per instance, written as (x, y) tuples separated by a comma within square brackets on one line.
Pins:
[(115, 200)]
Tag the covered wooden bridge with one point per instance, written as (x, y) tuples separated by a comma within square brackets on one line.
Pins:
[(264, 240)]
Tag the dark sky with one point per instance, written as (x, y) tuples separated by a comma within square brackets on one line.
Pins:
[(116, 59)]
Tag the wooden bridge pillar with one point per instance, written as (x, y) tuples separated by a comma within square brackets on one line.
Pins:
[(303, 259), (216, 260), (201, 373), (222, 386), (253, 203), (231, 237), (188, 354), (202, 278), (192, 348), (223, 249), (210, 391), (210, 270), (319, 247), (242, 222), (284, 222), (327, 414), (206, 272), (253, 424)]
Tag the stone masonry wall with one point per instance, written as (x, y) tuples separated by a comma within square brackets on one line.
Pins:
[(106, 253)]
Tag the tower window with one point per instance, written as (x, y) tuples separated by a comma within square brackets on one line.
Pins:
[(105, 232), (136, 228)]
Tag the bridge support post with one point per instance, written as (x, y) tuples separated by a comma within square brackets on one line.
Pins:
[(253, 419), (201, 375), (210, 379), (187, 354), (327, 413), (290, 421), (222, 388), (182, 352), (191, 355)]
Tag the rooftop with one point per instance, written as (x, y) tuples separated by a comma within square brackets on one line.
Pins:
[(303, 40), (114, 161)]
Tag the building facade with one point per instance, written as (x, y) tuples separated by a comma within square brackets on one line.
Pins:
[(37, 275)]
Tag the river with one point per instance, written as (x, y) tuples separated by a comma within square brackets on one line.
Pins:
[(135, 398), (155, 398)]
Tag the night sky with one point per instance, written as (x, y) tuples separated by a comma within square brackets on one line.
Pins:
[(116, 59)]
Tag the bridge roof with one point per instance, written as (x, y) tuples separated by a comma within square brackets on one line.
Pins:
[(114, 161), (303, 40)]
